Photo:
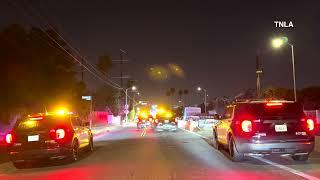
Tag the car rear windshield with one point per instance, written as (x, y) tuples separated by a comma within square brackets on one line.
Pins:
[(41, 124), (261, 110)]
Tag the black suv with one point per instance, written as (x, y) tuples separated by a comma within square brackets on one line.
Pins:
[(49, 136), (265, 127)]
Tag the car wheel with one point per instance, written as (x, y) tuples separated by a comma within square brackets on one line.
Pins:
[(19, 165), (234, 154), (304, 157), (215, 142), (74, 152), (90, 147)]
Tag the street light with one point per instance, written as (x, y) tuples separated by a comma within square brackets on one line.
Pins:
[(279, 42), (133, 88), (205, 98)]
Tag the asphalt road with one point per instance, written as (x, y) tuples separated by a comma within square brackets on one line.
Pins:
[(144, 155)]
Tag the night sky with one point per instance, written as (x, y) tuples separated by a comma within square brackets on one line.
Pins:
[(214, 43)]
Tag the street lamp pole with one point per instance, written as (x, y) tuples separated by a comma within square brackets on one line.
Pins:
[(277, 43), (133, 88), (205, 101), (293, 73), (205, 98)]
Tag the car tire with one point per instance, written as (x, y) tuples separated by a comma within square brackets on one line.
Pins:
[(19, 165), (304, 157), (215, 142), (233, 152), (74, 154), (90, 146)]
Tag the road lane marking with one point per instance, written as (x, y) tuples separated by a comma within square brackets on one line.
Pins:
[(144, 132), (285, 168)]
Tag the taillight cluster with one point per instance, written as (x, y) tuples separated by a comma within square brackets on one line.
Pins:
[(246, 126), (57, 134), (9, 138), (310, 124)]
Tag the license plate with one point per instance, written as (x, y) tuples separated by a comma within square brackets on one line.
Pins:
[(281, 128), (33, 138)]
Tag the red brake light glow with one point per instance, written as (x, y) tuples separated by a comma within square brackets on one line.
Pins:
[(310, 124), (57, 134), (9, 138), (246, 126), (60, 133)]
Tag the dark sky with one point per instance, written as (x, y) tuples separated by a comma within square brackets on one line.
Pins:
[(215, 43)]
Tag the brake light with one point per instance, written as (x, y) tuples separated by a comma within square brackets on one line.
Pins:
[(57, 134), (310, 124), (246, 126), (9, 138), (60, 133)]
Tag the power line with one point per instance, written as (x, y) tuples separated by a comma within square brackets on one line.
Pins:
[(62, 48), (69, 45)]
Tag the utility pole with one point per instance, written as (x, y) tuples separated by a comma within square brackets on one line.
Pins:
[(259, 74)]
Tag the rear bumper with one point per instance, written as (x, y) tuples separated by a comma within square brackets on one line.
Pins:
[(29, 155), (143, 125), (166, 128), (276, 148)]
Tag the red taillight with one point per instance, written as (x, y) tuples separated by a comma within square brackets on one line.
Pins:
[(9, 138), (60, 133), (310, 124), (246, 126), (57, 134)]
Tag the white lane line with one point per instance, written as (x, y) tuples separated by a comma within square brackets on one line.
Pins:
[(296, 172)]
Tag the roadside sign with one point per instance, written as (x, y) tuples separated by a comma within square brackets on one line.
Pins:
[(126, 111), (126, 106), (88, 98)]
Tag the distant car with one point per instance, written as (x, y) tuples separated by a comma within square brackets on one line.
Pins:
[(144, 120), (165, 121), (50, 136), (265, 127)]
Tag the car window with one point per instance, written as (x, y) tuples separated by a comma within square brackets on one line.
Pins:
[(228, 112), (42, 124), (75, 121), (289, 110)]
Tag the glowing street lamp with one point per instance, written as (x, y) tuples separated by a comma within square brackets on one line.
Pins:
[(205, 98), (278, 43), (133, 88)]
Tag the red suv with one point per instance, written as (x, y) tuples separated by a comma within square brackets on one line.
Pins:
[(50, 136), (265, 127)]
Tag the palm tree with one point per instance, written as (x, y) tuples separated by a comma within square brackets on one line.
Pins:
[(185, 92), (180, 92), (172, 93)]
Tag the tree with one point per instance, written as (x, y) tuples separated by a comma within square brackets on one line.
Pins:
[(185, 92), (310, 97), (104, 64), (278, 93), (106, 99), (37, 72), (180, 93)]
